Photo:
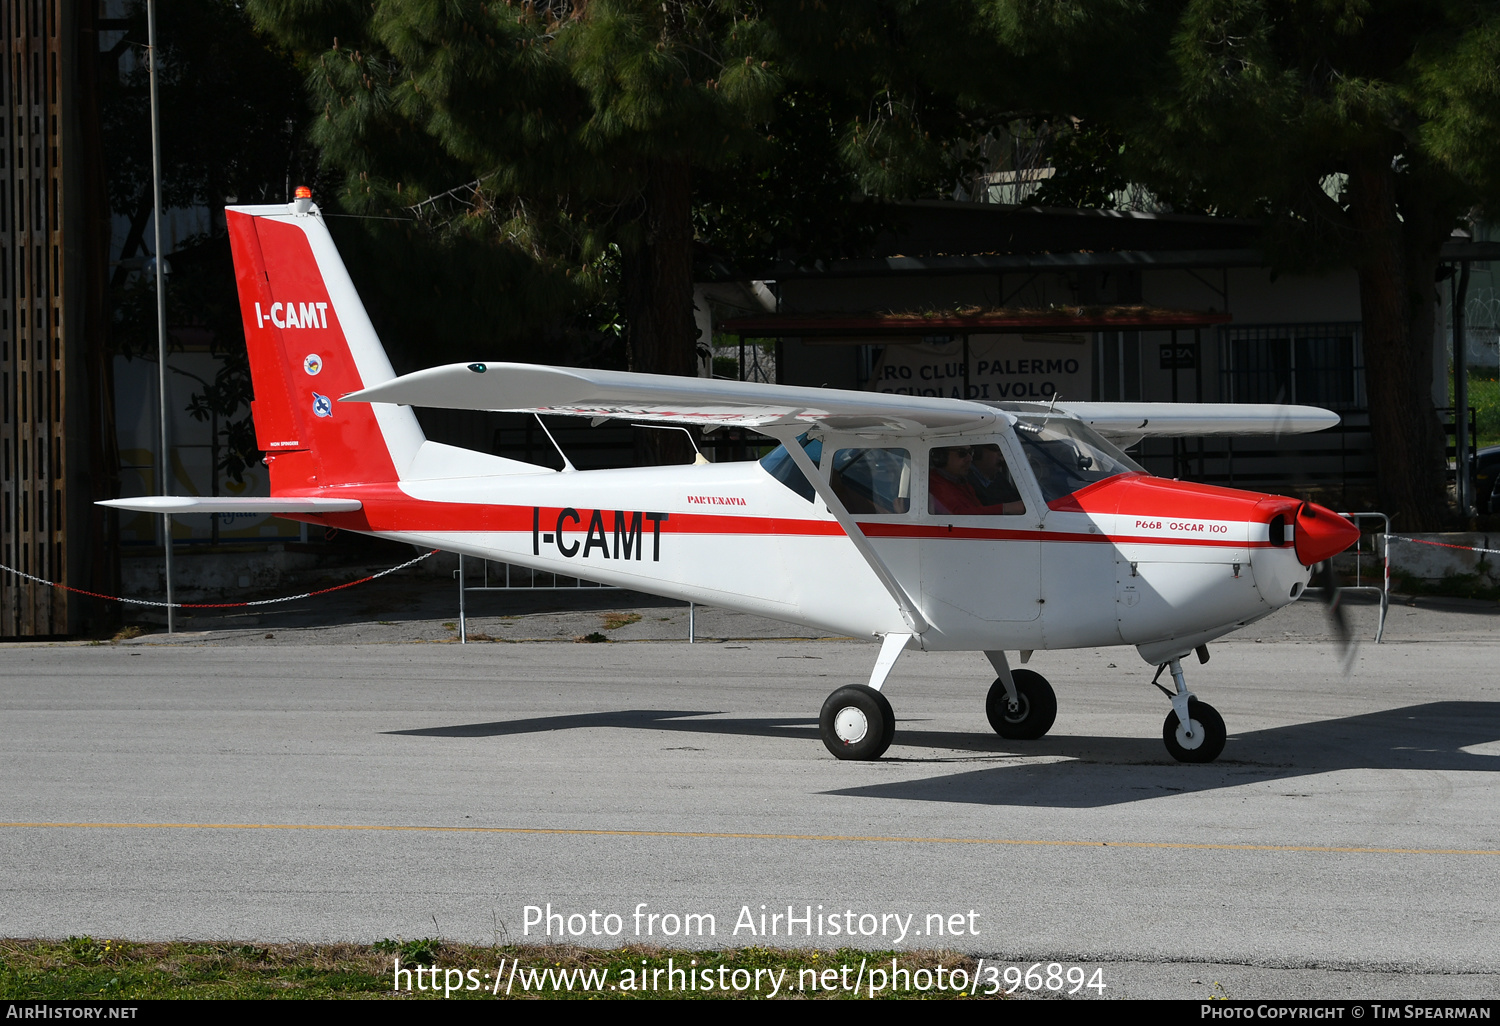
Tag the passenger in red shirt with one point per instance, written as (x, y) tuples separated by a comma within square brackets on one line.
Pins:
[(949, 490)]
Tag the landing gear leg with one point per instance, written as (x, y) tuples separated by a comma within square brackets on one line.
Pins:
[(1194, 731), (1021, 705), (857, 721)]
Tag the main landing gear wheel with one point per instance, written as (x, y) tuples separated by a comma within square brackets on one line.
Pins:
[(1032, 716), (1202, 740), (857, 723)]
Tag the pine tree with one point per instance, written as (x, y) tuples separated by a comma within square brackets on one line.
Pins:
[(574, 129)]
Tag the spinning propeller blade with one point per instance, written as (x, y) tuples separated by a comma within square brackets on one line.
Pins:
[(1326, 579)]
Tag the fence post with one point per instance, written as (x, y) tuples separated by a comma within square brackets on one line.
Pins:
[(463, 622)]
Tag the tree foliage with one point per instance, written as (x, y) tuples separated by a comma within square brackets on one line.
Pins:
[(565, 133), (1359, 133), (607, 142)]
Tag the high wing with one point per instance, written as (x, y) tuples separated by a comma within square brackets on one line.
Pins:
[(579, 392), (530, 388), (1134, 421)]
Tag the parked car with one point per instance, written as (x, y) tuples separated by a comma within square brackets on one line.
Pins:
[(1487, 479)]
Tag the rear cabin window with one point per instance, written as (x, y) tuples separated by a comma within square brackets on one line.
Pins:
[(872, 480)]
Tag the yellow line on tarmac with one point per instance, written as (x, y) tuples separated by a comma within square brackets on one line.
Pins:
[(706, 835)]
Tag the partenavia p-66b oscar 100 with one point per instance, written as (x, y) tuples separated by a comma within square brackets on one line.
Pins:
[(938, 524)]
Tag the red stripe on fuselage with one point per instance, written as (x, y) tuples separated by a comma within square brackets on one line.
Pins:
[(886, 530), (387, 509)]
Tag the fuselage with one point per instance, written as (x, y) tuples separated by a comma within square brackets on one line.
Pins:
[(1065, 543), (1131, 559)]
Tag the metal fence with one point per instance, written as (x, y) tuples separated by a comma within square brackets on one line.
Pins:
[(507, 577), (1375, 552)]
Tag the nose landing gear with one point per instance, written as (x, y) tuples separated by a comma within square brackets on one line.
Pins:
[(1194, 731)]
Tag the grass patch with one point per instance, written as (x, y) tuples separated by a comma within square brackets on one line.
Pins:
[(614, 621), (82, 968), (128, 632), (1484, 396)]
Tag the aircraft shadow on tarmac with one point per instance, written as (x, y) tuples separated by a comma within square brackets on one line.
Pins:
[(1083, 771)]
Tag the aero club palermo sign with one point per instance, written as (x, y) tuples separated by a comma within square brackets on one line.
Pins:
[(1018, 368)]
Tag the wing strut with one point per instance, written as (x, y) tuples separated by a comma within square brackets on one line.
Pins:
[(909, 611)]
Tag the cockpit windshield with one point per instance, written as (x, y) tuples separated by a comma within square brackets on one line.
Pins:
[(1066, 455), (778, 462)]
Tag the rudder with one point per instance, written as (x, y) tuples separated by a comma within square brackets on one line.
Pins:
[(310, 342)]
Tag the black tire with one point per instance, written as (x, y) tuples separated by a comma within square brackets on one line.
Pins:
[(1209, 735), (857, 723), (1036, 713)]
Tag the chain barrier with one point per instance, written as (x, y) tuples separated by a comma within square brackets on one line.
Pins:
[(218, 605), (1441, 545)]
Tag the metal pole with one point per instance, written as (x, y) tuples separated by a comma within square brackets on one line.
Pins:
[(1198, 387), (1177, 459), (463, 620), (163, 472), (1385, 583), (966, 368), (1461, 390), (692, 624)]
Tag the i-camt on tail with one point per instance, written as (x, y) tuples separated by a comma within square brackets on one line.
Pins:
[(930, 523)]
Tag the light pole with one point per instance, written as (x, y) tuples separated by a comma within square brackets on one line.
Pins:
[(163, 467), (1460, 293)]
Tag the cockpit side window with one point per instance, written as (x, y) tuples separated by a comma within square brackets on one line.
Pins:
[(971, 480)]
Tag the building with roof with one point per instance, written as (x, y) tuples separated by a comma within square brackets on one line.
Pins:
[(1001, 303)]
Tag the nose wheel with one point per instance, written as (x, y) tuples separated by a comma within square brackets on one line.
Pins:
[(1201, 739), (1194, 730), (857, 723)]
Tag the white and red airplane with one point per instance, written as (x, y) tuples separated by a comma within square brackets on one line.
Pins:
[(935, 524)]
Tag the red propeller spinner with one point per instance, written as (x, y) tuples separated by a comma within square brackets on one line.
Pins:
[(1321, 534)]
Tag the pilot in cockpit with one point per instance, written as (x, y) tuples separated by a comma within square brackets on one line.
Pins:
[(992, 481)]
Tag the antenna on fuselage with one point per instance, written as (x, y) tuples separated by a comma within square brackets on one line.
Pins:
[(567, 463), (1051, 409)]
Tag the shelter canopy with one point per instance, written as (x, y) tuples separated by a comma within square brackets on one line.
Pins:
[(868, 326)]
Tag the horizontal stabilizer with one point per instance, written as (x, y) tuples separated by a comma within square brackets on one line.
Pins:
[(1175, 420), (233, 504), (579, 392)]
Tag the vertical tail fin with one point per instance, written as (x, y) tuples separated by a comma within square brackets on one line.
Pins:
[(309, 343)]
